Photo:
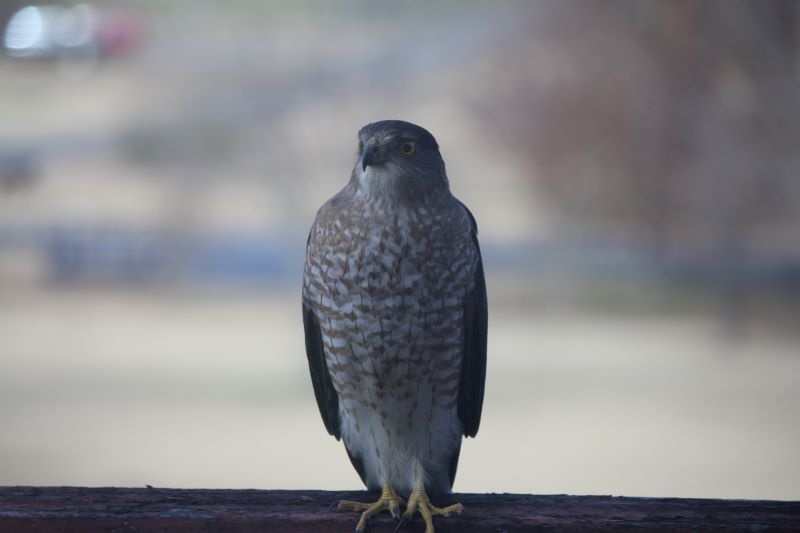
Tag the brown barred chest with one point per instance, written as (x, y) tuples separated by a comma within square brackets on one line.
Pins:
[(389, 299), (410, 255)]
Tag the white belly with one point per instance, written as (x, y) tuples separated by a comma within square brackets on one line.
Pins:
[(399, 450)]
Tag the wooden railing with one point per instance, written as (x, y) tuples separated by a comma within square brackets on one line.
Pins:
[(79, 509)]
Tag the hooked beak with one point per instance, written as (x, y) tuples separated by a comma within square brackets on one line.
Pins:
[(370, 156)]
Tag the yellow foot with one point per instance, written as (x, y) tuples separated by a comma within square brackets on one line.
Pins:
[(388, 500), (418, 501)]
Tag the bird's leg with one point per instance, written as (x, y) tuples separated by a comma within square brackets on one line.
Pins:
[(418, 502), (388, 500)]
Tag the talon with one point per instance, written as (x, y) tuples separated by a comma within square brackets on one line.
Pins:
[(419, 502), (394, 509), (447, 511), (347, 505), (389, 500), (403, 521)]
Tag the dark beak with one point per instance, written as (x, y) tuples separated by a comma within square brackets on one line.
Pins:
[(369, 157)]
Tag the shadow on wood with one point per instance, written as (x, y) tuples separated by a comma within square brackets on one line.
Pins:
[(81, 509)]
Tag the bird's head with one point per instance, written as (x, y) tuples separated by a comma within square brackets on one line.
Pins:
[(398, 160)]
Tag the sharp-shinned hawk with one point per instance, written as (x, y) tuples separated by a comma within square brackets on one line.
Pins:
[(395, 316)]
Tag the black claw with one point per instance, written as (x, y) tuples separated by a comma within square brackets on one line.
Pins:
[(334, 505), (403, 521), (359, 530)]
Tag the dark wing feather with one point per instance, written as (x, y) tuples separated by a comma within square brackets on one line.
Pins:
[(358, 464), (327, 399), (454, 463), (473, 363)]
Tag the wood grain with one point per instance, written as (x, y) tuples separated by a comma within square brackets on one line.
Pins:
[(68, 509)]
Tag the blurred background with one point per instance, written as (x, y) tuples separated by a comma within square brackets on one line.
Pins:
[(633, 168)]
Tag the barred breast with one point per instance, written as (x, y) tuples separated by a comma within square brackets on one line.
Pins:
[(388, 287)]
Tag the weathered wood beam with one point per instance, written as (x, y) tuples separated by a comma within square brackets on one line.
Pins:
[(79, 509)]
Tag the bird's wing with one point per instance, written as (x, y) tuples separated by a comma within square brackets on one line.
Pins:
[(327, 399), (473, 363)]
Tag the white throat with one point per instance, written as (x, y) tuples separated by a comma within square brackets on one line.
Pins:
[(377, 182)]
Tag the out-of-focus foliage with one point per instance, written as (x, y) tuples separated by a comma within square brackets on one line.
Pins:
[(671, 123)]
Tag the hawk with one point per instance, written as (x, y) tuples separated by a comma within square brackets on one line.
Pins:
[(395, 317)]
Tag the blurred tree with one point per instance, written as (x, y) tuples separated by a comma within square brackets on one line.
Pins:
[(666, 123), (666, 117)]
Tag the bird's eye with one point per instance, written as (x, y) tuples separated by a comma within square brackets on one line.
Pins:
[(408, 148), (360, 146)]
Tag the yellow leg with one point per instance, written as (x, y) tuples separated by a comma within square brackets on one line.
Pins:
[(388, 500), (418, 501)]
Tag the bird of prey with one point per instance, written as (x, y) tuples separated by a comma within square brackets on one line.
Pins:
[(395, 316)]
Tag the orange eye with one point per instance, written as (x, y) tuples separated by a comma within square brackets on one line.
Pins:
[(408, 148)]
